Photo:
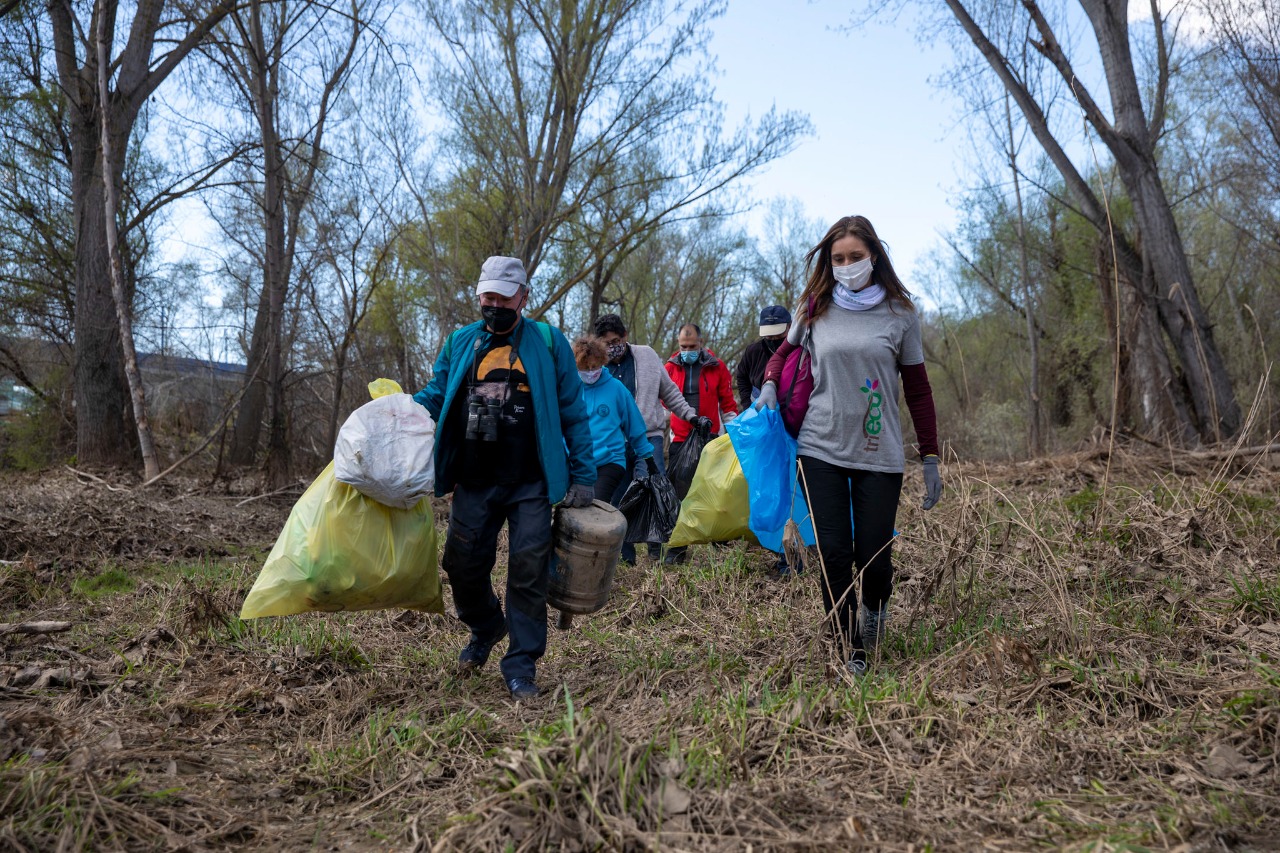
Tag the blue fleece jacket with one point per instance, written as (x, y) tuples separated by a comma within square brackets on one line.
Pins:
[(615, 421), (559, 416)]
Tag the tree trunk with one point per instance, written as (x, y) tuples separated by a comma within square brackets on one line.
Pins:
[(266, 387), (339, 377), (1215, 412), (104, 429), (598, 284), (253, 405), (105, 433), (1035, 439), (276, 266), (1208, 383), (120, 295), (1147, 399)]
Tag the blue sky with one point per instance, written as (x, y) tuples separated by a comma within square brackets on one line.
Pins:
[(885, 142)]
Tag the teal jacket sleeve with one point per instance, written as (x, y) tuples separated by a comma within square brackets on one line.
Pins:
[(432, 397), (574, 419), (633, 423)]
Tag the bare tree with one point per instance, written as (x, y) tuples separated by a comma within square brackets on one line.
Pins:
[(123, 304), (1200, 400), (788, 234), (288, 61), (102, 417), (356, 245), (1035, 439), (577, 118)]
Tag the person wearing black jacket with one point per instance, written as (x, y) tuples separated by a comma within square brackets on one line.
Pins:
[(775, 320)]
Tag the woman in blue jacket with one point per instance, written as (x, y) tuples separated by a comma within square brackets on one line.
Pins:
[(614, 417)]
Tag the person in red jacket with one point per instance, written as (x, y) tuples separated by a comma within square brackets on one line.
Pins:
[(707, 386), (704, 380)]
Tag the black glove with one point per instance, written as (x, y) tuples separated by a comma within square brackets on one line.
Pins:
[(703, 424), (644, 467), (578, 496)]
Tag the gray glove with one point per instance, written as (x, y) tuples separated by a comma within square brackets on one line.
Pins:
[(703, 423), (578, 496), (644, 467), (768, 397), (932, 482)]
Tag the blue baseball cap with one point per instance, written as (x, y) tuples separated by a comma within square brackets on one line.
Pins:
[(774, 320)]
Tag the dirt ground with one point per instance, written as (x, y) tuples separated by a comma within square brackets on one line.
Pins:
[(1081, 655)]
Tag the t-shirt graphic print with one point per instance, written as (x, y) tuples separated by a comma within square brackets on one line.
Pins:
[(872, 423), (513, 458)]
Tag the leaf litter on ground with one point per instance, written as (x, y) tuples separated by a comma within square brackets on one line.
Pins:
[(1077, 658)]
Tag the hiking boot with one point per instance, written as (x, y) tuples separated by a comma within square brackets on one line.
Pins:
[(872, 625), (475, 653), (857, 663), (676, 556), (523, 689)]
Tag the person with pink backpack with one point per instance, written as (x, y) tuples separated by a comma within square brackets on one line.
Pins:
[(855, 333)]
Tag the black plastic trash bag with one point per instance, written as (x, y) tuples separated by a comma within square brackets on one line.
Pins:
[(684, 461), (651, 507)]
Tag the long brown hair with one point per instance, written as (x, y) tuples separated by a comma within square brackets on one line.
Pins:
[(818, 265)]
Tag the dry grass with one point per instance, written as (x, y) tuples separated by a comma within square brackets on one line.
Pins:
[(1065, 668)]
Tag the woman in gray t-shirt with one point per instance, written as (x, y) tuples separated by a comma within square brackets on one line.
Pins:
[(857, 323)]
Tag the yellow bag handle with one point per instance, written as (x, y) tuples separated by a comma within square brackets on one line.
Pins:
[(383, 387)]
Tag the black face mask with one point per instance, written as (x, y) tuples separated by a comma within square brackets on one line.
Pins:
[(499, 320), (772, 345)]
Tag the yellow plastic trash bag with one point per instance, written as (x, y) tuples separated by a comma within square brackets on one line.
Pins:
[(340, 550), (718, 506), (384, 388)]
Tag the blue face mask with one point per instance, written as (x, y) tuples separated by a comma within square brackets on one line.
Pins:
[(690, 357)]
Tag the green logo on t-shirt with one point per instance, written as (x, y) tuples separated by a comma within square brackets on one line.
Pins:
[(871, 425)]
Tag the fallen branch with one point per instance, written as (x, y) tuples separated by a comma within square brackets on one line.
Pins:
[(34, 627), (1256, 450), (278, 491), (96, 479)]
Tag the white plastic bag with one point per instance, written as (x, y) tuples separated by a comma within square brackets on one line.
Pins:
[(385, 450)]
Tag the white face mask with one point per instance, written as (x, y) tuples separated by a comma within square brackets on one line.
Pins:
[(854, 276), (590, 376)]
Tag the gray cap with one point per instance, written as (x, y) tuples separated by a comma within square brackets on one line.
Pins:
[(501, 275)]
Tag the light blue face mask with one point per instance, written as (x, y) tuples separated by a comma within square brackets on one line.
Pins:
[(590, 376), (690, 357)]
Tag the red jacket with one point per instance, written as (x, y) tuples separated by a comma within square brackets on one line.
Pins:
[(714, 389)]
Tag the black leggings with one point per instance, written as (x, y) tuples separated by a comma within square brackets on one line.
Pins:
[(607, 479), (864, 540)]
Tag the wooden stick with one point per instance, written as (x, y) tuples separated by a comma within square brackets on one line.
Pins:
[(278, 491), (95, 479), (1235, 451), (34, 627)]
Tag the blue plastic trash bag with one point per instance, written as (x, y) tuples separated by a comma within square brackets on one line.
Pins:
[(798, 512), (767, 453), (768, 458)]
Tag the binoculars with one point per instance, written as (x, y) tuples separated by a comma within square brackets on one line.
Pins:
[(482, 417)]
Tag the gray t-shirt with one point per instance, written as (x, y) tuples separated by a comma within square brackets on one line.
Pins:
[(853, 413)]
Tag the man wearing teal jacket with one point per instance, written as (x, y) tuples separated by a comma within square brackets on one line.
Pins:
[(512, 439)]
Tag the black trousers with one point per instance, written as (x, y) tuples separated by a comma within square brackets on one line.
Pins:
[(609, 479), (470, 551), (861, 538)]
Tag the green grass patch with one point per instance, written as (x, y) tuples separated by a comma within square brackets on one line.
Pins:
[(107, 583)]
